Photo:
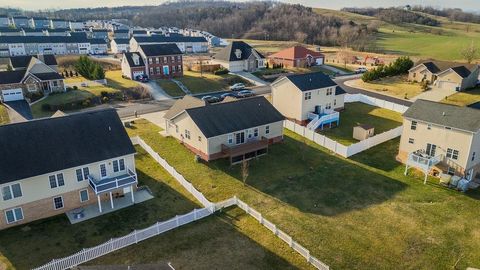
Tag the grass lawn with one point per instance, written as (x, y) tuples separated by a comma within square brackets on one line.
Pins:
[(71, 96), (77, 79), (393, 86), (464, 98), (229, 240), (55, 237), (359, 113), (170, 88), (115, 80), (4, 119), (209, 82), (359, 213)]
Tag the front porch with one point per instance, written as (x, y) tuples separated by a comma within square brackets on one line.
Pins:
[(422, 161), (93, 210)]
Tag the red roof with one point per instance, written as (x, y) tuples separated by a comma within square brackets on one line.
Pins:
[(295, 53)]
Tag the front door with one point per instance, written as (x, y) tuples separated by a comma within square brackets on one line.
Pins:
[(240, 138), (166, 71), (431, 149)]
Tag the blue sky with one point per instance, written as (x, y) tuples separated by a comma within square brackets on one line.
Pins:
[(333, 4)]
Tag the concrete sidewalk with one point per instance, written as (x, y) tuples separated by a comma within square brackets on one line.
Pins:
[(251, 78)]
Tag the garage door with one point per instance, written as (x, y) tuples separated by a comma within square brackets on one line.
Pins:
[(12, 95), (448, 85), (137, 73), (319, 61)]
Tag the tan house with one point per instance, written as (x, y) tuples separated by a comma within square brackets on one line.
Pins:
[(239, 56), (440, 138), (445, 75), (30, 75), (53, 165), (311, 97), (238, 130)]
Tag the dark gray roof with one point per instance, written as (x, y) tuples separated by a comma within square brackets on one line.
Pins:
[(121, 31), (228, 117), (462, 71), (98, 41), (229, 53), (431, 67), (24, 60), (339, 91), (122, 41), (48, 76), (52, 144), (128, 56), (463, 118), (436, 66), (164, 39), (8, 77), (43, 39), (160, 49), (312, 81)]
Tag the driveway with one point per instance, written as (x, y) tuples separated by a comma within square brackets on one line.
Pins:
[(157, 92), (251, 78), (435, 94), (336, 70), (19, 111), (353, 90)]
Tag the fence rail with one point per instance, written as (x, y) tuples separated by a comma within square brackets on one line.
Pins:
[(348, 151)]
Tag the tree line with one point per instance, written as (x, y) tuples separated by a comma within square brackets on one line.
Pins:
[(395, 15), (454, 14)]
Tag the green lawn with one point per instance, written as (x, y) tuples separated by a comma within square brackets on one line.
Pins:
[(359, 213), (170, 88), (4, 119), (464, 98), (71, 96), (115, 80), (226, 238), (209, 82), (359, 113)]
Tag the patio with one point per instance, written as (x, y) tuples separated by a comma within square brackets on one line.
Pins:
[(92, 210)]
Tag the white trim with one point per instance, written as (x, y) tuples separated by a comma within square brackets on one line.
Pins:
[(14, 215), (100, 170), (9, 185), (54, 206)]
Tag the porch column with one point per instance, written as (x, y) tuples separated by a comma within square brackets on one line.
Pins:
[(111, 200), (99, 204), (406, 169), (426, 176), (131, 192)]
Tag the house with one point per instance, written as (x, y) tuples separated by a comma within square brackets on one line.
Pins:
[(162, 60), (445, 75), (33, 45), (439, 138), (20, 21), (59, 23), (133, 65), (50, 166), (239, 56), (297, 56), (238, 130), (121, 33), (29, 76), (34, 32), (185, 44), (99, 34), (4, 21), (40, 22), (58, 32), (120, 45), (311, 97), (98, 46), (23, 62), (76, 25)]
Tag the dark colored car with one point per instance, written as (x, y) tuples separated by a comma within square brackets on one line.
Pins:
[(211, 99), (223, 96), (245, 93), (142, 78)]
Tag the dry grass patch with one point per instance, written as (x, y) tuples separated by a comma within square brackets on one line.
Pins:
[(396, 86), (464, 98)]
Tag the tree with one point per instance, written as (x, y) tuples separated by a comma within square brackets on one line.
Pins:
[(245, 171), (470, 53), (98, 73), (71, 73), (344, 55)]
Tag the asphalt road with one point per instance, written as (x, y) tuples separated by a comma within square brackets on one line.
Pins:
[(19, 111)]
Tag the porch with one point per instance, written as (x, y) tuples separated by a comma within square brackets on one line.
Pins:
[(91, 211), (321, 119), (246, 151), (422, 161)]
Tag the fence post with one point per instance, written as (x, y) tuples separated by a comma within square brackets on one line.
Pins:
[(194, 213), (308, 255), (135, 234), (275, 230), (176, 220), (290, 243), (111, 244), (261, 219), (158, 227)]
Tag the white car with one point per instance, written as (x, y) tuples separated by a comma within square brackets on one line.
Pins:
[(361, 70), (237, 87)]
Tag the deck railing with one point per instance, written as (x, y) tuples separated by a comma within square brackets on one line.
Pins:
[(118, 182)]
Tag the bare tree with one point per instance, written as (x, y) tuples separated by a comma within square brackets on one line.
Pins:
[(245, 171), (470, 53), (345, 56)]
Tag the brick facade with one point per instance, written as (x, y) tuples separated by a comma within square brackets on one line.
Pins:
[(156, 66)]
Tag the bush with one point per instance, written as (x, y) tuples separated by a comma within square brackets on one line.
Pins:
[(221, 71), (34, 96), (89, 69), (400, 66), (136, 93), (75, 87)]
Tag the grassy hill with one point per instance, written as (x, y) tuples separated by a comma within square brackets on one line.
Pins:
[(444, 42)]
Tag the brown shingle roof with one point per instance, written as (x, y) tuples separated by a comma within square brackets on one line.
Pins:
[(295, 52)]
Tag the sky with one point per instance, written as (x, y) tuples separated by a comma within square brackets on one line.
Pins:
[(331, 4)]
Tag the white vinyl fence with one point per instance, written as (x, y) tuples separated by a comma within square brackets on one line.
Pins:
[(87, 83), (348, 151), (187, 185)]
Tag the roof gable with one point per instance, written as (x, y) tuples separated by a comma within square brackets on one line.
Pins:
[(296, 52), (310, 81), (237, 51)]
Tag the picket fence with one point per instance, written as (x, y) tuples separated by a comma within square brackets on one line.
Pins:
[(348, 151), (187, 185)]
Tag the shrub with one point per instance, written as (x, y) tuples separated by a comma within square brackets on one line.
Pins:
[(400, 66), (89, 69), (75, 87), (34, 96), (221, 71)]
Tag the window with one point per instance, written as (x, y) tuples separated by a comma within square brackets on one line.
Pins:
[(187, 134), (150, 61), (103, 170), (431, 149), (151, 71), (157, 70), (328, 106), (55, 83), (451, 153), (121, 162), (240, 138), (451, 171), (165, 60), (230, 138), (157, 60), (58, 203), (255, 132), (329, 91), (267, 129), (414, 125), (14, 215), (84, 195), (56, 180), (179, 68), (308, 95), (334, 102), (176, 128), (82, 174), (12, 191), (411, 140), (115, 166), (199, 138)]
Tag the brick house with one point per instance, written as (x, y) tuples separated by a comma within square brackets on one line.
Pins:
[(162, 60), (297, 56), (40, 177), (133, 65)]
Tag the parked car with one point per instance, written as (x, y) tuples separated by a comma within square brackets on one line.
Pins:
[(142, 78), (211, 99), (223, 96), (245, 93), (361, 70), (237, 87)]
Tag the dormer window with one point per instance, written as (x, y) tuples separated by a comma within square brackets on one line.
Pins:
[(238, 53)]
